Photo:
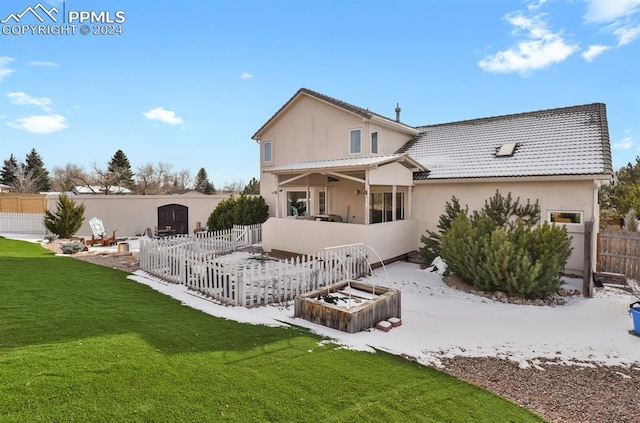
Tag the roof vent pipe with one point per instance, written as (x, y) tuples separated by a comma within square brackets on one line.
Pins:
[(398, 109)]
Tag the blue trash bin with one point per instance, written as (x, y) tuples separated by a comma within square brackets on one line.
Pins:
[(635, 315)]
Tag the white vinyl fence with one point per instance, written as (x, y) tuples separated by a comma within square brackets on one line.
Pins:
[(22, 223), (251, 282)]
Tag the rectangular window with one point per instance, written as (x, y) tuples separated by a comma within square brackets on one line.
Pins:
[(374, 142), (297, 203), (566, 217), (267, 153), (355, 142), (381, 207), (322, 202)]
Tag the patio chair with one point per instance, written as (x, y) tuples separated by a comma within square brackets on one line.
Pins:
[(99, 235)]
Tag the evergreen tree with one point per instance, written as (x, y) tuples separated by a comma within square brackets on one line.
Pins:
[(202, 183), (624, 193), (35, 165), (253, 187), (241, 210), (9, 170), (66, 221), (120, 166)]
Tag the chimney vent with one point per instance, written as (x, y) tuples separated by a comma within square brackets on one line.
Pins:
[(398, 109)]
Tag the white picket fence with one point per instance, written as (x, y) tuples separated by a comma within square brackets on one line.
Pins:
[(253, 282), (22, 223)]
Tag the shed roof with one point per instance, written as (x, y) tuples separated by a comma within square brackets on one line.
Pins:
[(352, 163)]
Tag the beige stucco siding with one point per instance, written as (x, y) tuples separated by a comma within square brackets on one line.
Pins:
[(429, 201), (132, 214)]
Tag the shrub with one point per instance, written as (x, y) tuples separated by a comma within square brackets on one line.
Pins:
[(71, 247), (432, 240), (496, 253), (499, 209), (66, 221), (242, 210)]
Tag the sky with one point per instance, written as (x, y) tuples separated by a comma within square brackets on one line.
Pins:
[(188, 83)]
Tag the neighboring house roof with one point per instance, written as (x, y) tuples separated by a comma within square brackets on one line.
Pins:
[(563, 141), (96, 189), (352, 163), (4, 187), (365, 113)]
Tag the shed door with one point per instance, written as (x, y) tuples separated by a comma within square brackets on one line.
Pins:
[(174, 215)]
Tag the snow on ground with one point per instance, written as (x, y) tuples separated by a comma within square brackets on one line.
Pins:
[(439, 321)]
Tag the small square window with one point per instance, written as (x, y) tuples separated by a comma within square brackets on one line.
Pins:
[(355, 141)]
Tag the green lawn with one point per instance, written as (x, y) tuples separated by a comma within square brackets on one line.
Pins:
[(81, 342)]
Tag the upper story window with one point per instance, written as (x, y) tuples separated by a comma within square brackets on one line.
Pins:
[(374, 142), (355, 141), (267, 152)]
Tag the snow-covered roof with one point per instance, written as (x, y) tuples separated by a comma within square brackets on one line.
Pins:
[(352, 163), (96, 189), (564, 141)]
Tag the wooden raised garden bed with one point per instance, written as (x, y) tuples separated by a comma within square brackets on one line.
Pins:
[(353, 306)]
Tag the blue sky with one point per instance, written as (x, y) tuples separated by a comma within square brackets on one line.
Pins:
[(188, 83)]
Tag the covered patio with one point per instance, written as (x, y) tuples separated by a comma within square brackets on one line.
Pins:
[(316, 200)]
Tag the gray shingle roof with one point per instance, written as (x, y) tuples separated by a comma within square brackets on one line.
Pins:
[(564, 141)]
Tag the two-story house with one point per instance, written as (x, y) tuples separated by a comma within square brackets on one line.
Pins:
[(333, 173)]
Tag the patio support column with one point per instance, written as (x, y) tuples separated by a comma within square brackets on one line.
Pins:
[(367, 193), (409, 214), (393, 203), (277, 186)]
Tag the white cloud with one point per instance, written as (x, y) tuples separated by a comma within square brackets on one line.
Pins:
[(539, 48), (246, 75), (535, 5), (625, 143), (166, 116), (40, 124), (617, 16), (5, 70), (626, 34), (594, 51), (25, 99), (603, 11), (44, 63)]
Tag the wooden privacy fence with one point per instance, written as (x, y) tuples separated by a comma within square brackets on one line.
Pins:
[(251, 282), (22, 223), (619, 252)]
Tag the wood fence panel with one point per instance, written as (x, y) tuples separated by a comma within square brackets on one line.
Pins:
[(619, 252)]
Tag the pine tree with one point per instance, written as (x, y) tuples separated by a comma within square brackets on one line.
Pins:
[(35, 165), (202, 183), (67, 219), (120, 165), (253, 187), (9, 169)]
